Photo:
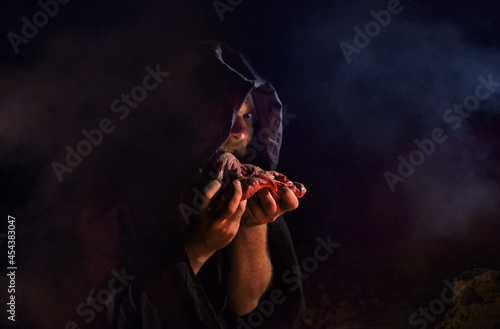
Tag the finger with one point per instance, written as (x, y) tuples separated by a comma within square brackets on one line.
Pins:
[(267, 202), (254, 214), (209, 191), (253, 210), (211, 188), (234, 201), (239, 211), (288, 200)]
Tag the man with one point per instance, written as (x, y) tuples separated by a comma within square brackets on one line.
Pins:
[(242, 226), (214, 273)]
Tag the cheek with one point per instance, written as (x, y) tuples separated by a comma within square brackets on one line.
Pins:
[(250, 133)]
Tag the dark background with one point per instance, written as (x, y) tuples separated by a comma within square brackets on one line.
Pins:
[(352, 121)]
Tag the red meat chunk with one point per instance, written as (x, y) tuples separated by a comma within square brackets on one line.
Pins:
[(252, 178)]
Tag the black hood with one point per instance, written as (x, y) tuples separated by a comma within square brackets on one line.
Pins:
[(218, 80), (178, 128), (156, 152), (121, 201), (224, 79)]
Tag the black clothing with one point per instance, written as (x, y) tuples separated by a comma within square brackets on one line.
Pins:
[(165, 292)]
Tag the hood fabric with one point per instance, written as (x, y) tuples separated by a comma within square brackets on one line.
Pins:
[(226, 79), (121, 202), (219, 80)]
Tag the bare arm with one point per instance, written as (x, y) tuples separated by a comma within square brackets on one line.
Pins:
[(250, 266), (251, 270)]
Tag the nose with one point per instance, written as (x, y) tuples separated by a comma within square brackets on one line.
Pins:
[(239, 130)]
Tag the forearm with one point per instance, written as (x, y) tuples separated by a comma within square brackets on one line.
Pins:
[(250, 268)]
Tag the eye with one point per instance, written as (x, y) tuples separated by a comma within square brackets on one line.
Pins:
[(250, 117)]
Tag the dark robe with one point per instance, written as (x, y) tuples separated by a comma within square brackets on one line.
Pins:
[(211, 86)]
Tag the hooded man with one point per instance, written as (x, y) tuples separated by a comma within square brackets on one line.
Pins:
[(227, 254)]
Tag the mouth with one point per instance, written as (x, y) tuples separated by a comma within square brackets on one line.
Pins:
[(236, 149), (229, 149)]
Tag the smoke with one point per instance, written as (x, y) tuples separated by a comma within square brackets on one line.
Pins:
[(355, 119), (411, 86), (395, 90)]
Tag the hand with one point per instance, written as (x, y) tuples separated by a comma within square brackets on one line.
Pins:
[(215, 229), (262, 208)]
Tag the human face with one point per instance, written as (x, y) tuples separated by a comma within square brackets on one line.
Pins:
[(241, 132)]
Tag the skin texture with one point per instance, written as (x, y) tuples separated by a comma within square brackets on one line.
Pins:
[(241, 131), (240, 225)]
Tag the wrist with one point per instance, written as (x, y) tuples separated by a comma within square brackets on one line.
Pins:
[(197, 253), (252, 231), (251, 237)]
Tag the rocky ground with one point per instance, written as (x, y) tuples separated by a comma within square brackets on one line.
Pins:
[(477, 301), (383, 299)]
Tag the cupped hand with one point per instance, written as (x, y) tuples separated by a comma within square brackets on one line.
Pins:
[(219, 218), (262, 208)]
